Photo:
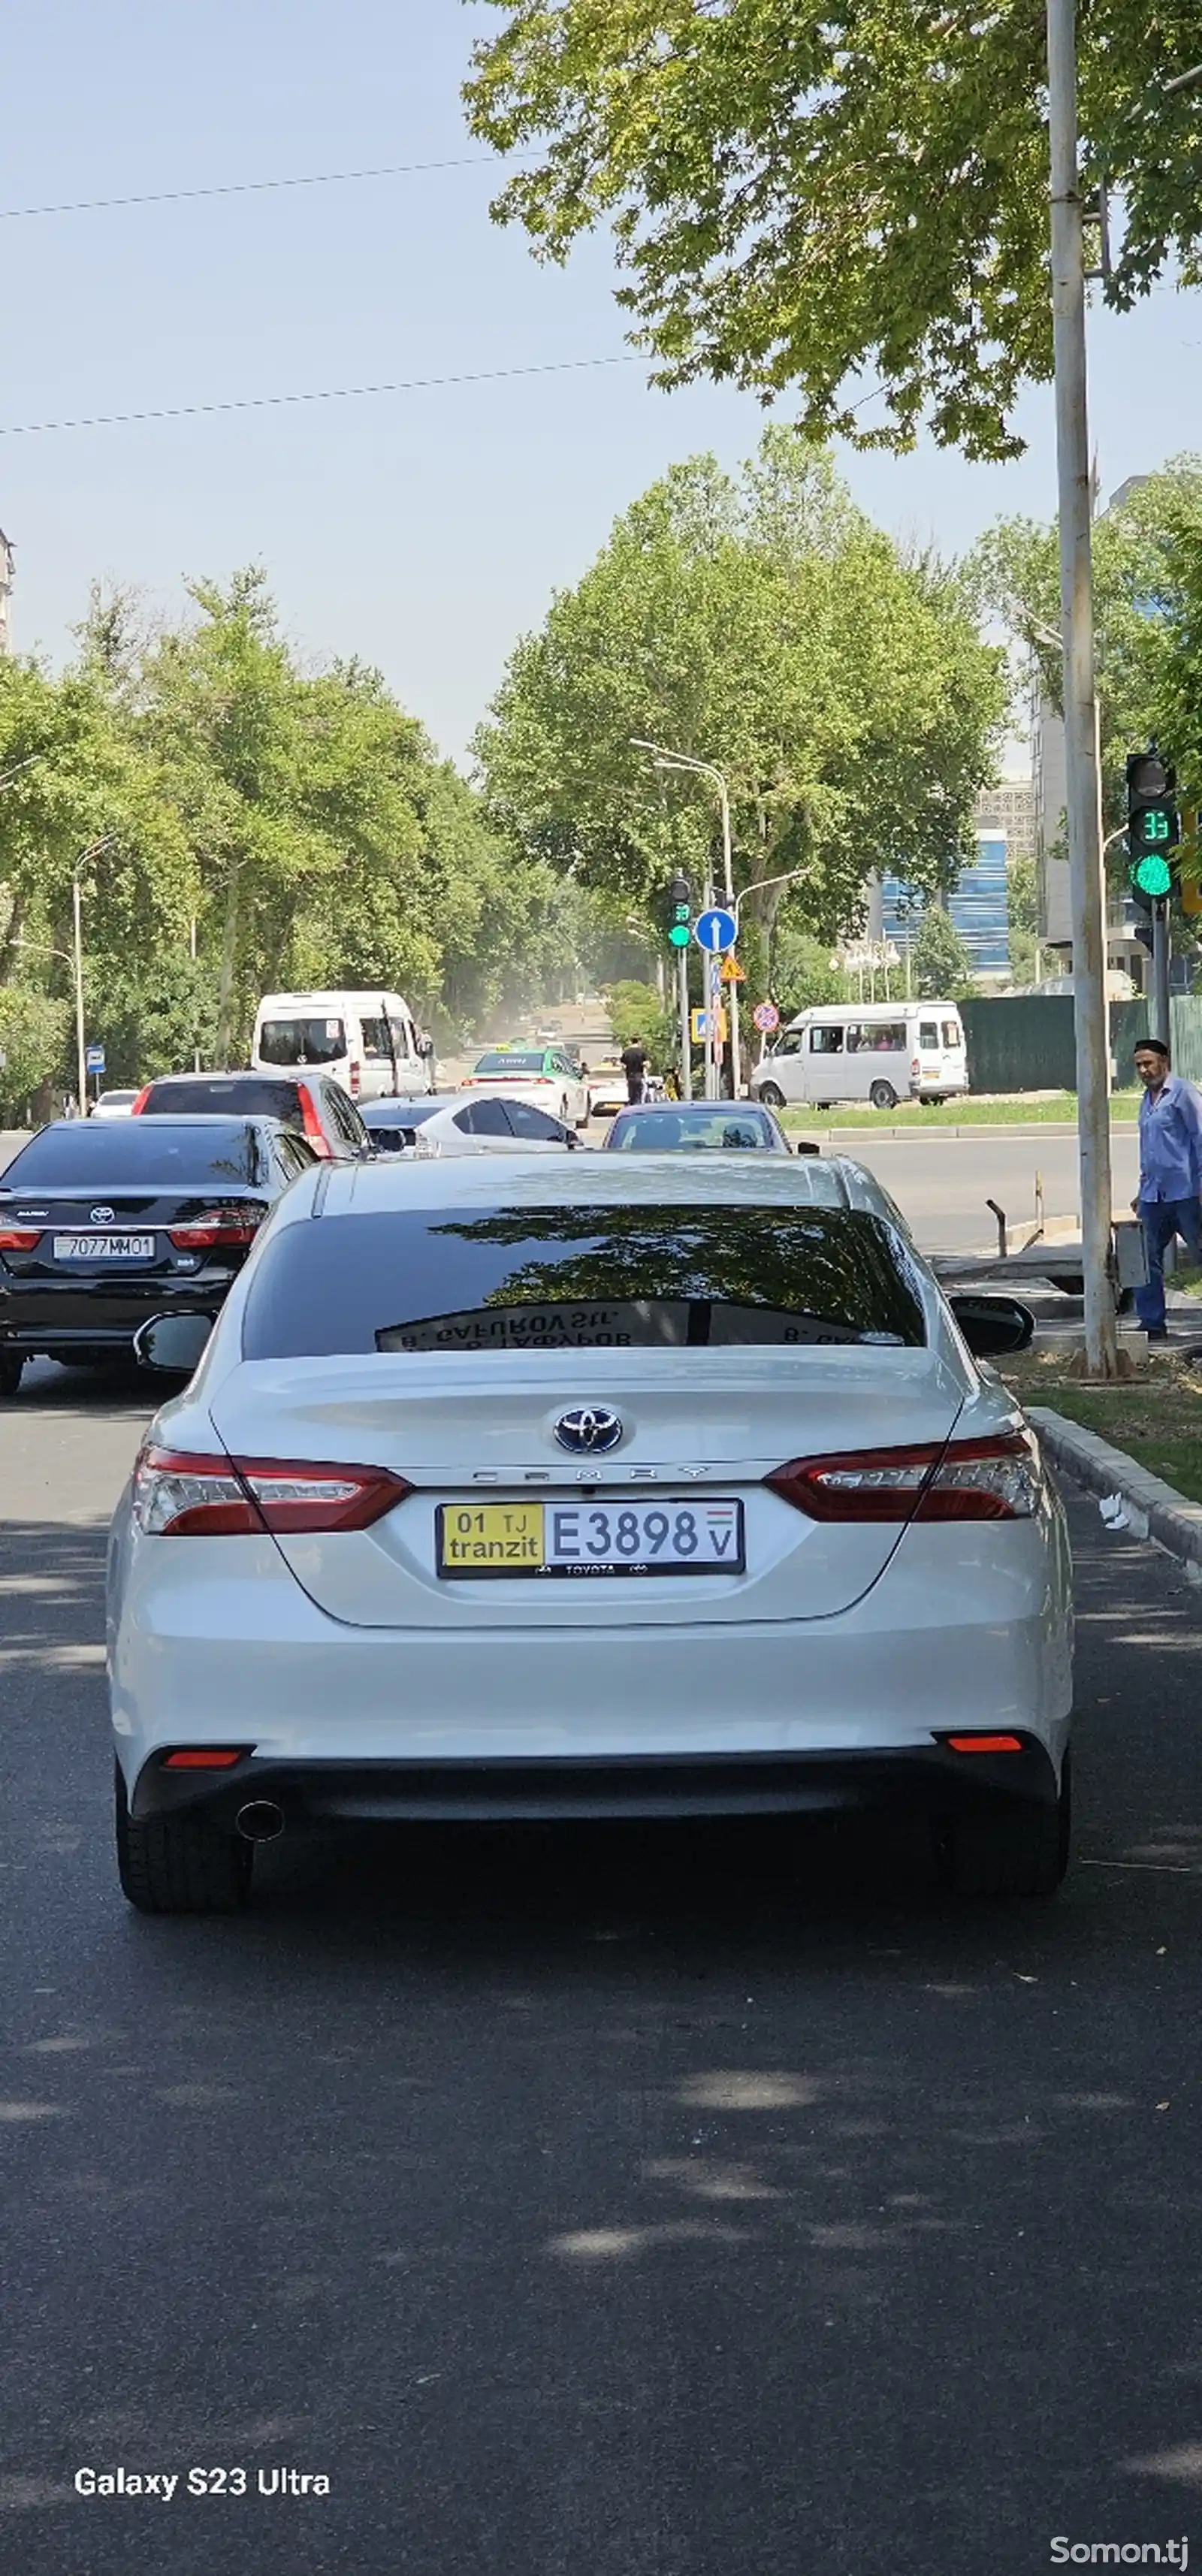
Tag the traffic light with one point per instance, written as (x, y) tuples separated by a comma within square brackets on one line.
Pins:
[(1153, 826), (679, 912)]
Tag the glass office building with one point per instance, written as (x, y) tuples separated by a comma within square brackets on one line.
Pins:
[(978, 908)]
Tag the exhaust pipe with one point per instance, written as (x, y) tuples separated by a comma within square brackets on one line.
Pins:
[(260, 1820)]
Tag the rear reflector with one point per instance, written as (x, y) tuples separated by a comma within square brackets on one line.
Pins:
[(182, 1495), (984, 1743), (963, 1480), (202, 1757), (19, 1238)]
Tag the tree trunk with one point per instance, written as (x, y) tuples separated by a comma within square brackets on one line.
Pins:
[(229, 959)]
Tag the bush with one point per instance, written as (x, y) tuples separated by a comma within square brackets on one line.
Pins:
[(33, 1041)]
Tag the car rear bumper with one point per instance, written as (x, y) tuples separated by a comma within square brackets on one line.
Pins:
[(101, 1312), (213, 1642), (929, 1778)]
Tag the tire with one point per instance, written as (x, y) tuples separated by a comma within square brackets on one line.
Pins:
[(771, 1095), (10, 1375), (882, 1095), (1011, 1855), (180, 1864)]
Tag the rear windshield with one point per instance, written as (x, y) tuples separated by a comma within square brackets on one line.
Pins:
[(248, 1094), (515, 1063), (305, 1041), (128, 1154), (584, 1278), (399, 1113), (664, 1131)]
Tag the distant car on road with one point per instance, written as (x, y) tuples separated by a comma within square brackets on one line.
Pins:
[(881, 1052), (311, 1102), (542, 1075), (104, 1225), (656, 1484), (114, 1104), (697, 1126), (607, 1088), (369, 1042), (449, 1124)]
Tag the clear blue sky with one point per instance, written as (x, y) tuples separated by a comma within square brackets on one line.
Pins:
[(422, 531)]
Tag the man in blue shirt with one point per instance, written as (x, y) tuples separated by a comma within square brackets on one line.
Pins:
[(1170, 1174)]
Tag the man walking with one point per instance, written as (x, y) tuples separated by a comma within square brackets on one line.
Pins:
[(1170, 1174), (634, 1066)]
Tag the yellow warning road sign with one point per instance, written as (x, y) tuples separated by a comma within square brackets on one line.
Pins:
[(730, 971)]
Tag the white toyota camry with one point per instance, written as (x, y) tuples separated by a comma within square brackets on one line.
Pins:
[(506, 1489)]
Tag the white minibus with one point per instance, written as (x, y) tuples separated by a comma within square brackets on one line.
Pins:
[(881, 1052), (369, 1042)]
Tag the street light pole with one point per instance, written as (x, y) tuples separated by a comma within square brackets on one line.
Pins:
[(666, 759), (1080, 718), (81, 1051)]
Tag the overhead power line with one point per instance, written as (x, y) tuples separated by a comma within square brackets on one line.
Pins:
[(326, 393), (252, 187)]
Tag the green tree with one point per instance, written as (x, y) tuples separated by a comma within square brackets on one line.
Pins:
[(803, 975), (33, 1032), (850, 203), (939, 961), (761, 622), (638, 1018)]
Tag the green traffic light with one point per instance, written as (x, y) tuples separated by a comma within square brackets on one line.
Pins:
[(679, 935), (1152, 875)]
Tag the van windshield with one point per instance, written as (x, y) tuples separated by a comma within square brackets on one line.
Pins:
[(302, 1041)]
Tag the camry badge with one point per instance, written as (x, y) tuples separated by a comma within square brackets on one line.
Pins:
[(102, 1215), (589, 1430)]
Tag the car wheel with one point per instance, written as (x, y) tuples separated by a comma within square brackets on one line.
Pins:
[(180, 1864), (883, 1096), (1011, 1855), (771, 1095), (10, 1374)]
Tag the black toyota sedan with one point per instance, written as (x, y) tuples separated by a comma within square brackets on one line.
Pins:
[(104, 1225)]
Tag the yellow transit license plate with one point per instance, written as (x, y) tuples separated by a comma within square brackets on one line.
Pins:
[(681, 1534)]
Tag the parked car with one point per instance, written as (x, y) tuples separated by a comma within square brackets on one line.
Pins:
[(114, 1104), (449, 1124), (697, 1126), (541, 1075), (368, 1042), (316, 1106), (881, 1052), (653, 1484), (103, 1225)]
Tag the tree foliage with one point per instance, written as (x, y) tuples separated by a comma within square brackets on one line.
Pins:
[(240, 824), (939, 960), (760, 622), (803, 199)]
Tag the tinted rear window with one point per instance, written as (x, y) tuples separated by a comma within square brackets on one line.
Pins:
[(248, 1095), (303, 1041), (128, 1154), (664, 1131), (579, 1278)]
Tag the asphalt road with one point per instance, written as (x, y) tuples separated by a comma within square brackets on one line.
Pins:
[(650, 2202), (941, 1182)]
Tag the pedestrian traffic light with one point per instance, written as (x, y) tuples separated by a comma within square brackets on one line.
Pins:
[(680, 912), (1153, 826)]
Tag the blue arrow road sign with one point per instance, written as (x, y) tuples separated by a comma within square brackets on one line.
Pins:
[(716, 930)]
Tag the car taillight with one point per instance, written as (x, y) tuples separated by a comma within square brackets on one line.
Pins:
[(997, 1479), (19, 1238), (179, 1495), (354, 1079), (217, 1225), (312, 1125), (140, 1102), (915, 1064)]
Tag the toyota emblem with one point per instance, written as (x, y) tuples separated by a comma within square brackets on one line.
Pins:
[(589, 1430), (102, 1215)]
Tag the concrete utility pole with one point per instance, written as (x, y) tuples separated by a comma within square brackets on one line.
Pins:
[(7, 569), (1080, 718)]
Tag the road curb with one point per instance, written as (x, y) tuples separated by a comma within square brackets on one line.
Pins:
[(1172, 1520)]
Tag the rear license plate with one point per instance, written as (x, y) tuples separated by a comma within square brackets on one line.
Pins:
[(672, 1537), (104, 1247)]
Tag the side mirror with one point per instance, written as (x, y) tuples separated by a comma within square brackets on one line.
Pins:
[(806, 1145), (993, 1325), (173, 1343)]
